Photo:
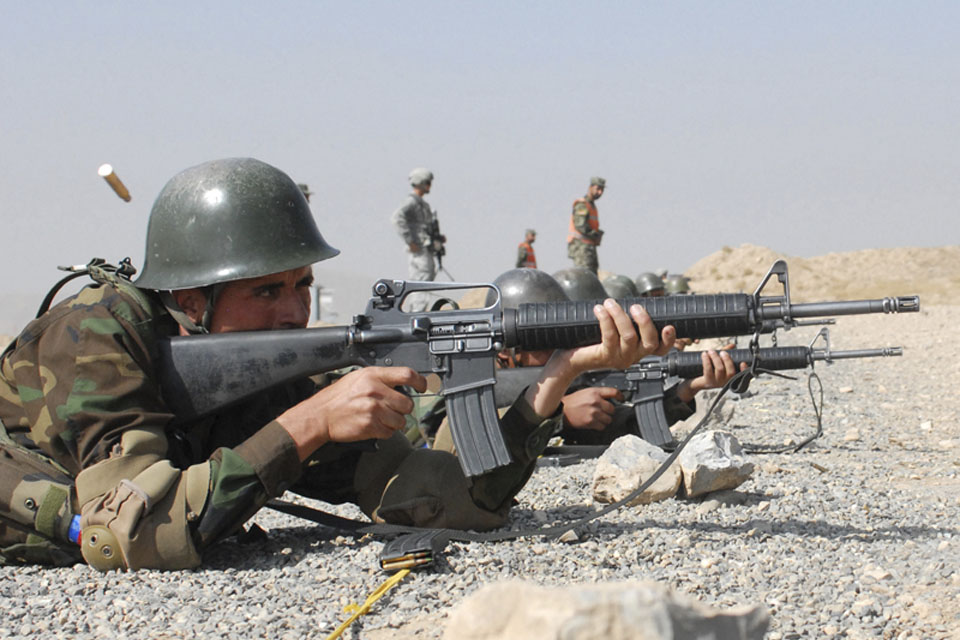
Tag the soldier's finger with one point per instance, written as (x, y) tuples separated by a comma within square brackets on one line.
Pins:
[(649, 337), (402, 376), (729, 367), (608, 333), (397, 402), (609, 392), (707, 363), (628, 335), (668, 338)]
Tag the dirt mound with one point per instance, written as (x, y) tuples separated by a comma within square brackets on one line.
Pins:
[(931, 273)]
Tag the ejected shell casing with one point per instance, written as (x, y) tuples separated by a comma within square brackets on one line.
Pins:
[(107, 173)]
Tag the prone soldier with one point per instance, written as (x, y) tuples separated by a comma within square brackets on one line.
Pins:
[(141, 487), (650, 285)]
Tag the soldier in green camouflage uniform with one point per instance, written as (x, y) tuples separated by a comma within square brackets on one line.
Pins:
[(79, 388), (585, 234)]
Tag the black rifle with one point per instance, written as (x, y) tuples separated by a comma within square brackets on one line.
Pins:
[(642, 384), (200, 374), (438, 243)]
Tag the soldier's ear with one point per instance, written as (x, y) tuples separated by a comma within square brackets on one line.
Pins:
[(193, 302)]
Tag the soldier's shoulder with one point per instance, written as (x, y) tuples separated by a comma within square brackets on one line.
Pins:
[(97, 307)]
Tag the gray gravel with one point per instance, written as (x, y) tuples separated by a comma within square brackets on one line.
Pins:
[(855, 536)]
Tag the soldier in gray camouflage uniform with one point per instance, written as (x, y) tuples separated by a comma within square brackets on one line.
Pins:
[(413, 221), (80, 395)]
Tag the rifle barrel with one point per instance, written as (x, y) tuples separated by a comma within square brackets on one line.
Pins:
[(899, 304), (551, 325)]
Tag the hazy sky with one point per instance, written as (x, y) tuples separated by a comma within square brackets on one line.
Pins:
[(807, 127)]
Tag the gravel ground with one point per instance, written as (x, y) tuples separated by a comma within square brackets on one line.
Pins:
[(853, 537)]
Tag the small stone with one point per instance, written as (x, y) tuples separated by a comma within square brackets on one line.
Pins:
[(926, 425), (570, 537), (845, 389), (878, 574), (852, 435)]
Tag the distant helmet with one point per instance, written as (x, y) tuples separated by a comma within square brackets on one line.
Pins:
[(525, 285), (419, 176), (618, 286), (228, 220), (306, 190), (649, 284), (677, 285), (580, 283)]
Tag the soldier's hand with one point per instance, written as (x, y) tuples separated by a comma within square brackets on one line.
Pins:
[(621, 343), (413, 247), (590, 408), (718, 368), (363, 404)]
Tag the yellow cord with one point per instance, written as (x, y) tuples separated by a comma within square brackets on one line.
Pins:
[(376, 594)]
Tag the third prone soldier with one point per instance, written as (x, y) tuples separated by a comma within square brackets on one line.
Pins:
[(413, 221), (526, 258), (585, 234)]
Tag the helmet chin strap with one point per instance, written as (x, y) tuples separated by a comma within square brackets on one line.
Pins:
[(211, 292)]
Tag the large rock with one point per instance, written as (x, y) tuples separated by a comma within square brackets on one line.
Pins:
[(713, 461), (625, 465), (517, 610)]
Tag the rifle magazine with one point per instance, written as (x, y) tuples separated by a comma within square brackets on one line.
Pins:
[(475, 426), (651, 418)]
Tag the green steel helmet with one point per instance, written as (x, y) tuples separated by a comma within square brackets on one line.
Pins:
[(580, 283), (677, 285), (228, 220), (649, 284), (420, 175), (618, 286), (525, 285)]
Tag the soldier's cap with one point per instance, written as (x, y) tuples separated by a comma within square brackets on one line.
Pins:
[(597, 181), (305, 188), (531, 232)]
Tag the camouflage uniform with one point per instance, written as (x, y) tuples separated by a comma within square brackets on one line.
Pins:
[(584, 254), (79, 386), (412, 221)]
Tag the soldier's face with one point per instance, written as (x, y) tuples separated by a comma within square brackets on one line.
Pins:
[(278, 301), (596, 191)]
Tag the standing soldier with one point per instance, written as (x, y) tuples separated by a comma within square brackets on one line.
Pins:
[(414, 220), (526, 258), (585, 233)]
